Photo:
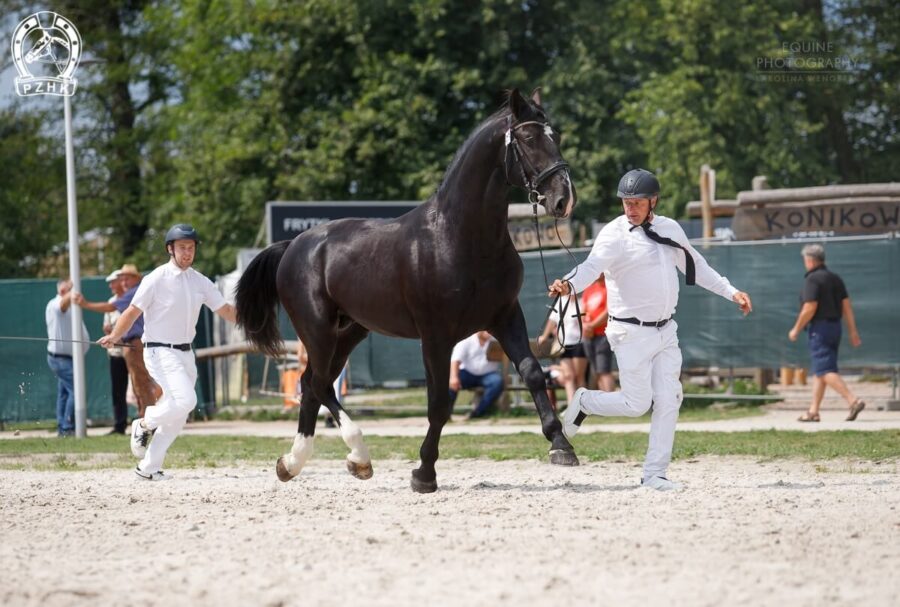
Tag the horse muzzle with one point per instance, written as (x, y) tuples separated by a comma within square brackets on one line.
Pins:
[(561, 205)]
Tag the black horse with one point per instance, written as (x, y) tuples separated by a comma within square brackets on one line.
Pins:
[(439, 273)]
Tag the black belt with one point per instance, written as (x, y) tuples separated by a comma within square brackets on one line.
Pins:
[(635, 321), (156, 344), (60, 355)]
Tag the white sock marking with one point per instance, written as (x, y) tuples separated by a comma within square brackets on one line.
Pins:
[(300, 453), (353, 437)]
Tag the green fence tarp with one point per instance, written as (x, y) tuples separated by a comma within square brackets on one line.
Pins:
[(711, 330), (26, 382), (27, 385)]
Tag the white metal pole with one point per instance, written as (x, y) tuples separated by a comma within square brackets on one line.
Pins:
[(75, 274)]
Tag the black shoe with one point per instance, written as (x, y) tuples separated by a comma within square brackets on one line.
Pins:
[(329, 422)]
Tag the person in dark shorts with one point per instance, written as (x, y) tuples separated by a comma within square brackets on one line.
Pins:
[(596, 345), (573, 359), (824, 302)]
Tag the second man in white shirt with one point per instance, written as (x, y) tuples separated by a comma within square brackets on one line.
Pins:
[(639, 252)]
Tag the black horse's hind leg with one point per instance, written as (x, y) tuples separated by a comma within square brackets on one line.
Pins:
[(437, 373), (288, 466), (512, 334), (359, 463), (320, 318)]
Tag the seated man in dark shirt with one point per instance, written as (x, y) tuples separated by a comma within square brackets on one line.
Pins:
[(824, 301)]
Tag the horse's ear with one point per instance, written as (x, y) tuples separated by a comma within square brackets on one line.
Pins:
[(536, 95), (517, 104)]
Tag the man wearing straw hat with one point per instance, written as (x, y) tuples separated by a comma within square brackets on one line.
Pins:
[(118, 368), (145, 389)]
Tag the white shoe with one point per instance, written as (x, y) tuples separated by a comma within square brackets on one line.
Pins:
[(573, 415), (140, 438), (152, 476), (660, 483)]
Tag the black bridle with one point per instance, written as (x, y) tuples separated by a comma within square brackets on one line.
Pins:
[(531, 185), (520, 159)]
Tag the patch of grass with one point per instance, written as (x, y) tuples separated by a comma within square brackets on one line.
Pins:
[(708, 411), (739, 387), (62, 462), (412, 402), (42, 424), (219, 451), (874, 378)]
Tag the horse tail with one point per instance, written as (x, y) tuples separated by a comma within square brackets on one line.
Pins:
[(257, 300)]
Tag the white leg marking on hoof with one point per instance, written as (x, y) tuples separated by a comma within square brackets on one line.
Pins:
[(300, 453), (353, 437)]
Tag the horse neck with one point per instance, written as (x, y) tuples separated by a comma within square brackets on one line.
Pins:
[(475, 200)]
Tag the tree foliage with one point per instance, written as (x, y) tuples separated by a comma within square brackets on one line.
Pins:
[(203, 110), (32, 195)]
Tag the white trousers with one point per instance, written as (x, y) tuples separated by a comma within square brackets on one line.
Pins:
[(176, 373), (649, 363)]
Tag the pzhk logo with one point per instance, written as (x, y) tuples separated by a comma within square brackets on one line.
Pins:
[(46, 49)]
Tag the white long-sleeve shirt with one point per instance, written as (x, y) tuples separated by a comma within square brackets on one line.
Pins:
[(641, 277)]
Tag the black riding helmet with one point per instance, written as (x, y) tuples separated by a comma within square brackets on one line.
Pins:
[(638, 183), (181, 231)]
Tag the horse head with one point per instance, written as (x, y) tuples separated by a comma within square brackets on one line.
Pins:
[(532, 159)]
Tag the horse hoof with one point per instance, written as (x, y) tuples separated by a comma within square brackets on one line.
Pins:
[(420, 486), (281, 470), (561, 457), (361, 471)]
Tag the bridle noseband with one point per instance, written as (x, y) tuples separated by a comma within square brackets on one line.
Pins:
[(531, 184)]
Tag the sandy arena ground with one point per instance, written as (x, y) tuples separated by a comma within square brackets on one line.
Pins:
[(518, 533)]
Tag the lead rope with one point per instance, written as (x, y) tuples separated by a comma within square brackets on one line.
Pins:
[(69, 341), (560, 326)]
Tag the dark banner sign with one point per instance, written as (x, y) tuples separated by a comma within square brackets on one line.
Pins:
[(818, 220), (285, 220)]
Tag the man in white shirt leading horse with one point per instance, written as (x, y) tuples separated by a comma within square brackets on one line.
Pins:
[(639, 252), (170, 298)]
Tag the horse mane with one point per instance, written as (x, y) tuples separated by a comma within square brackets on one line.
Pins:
[(501, 114)]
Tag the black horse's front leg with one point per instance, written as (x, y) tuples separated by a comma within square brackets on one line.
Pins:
[(437, 371), (512, 334)]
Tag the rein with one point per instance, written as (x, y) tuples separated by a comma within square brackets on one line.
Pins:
[(530, 185), (68, 341)]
